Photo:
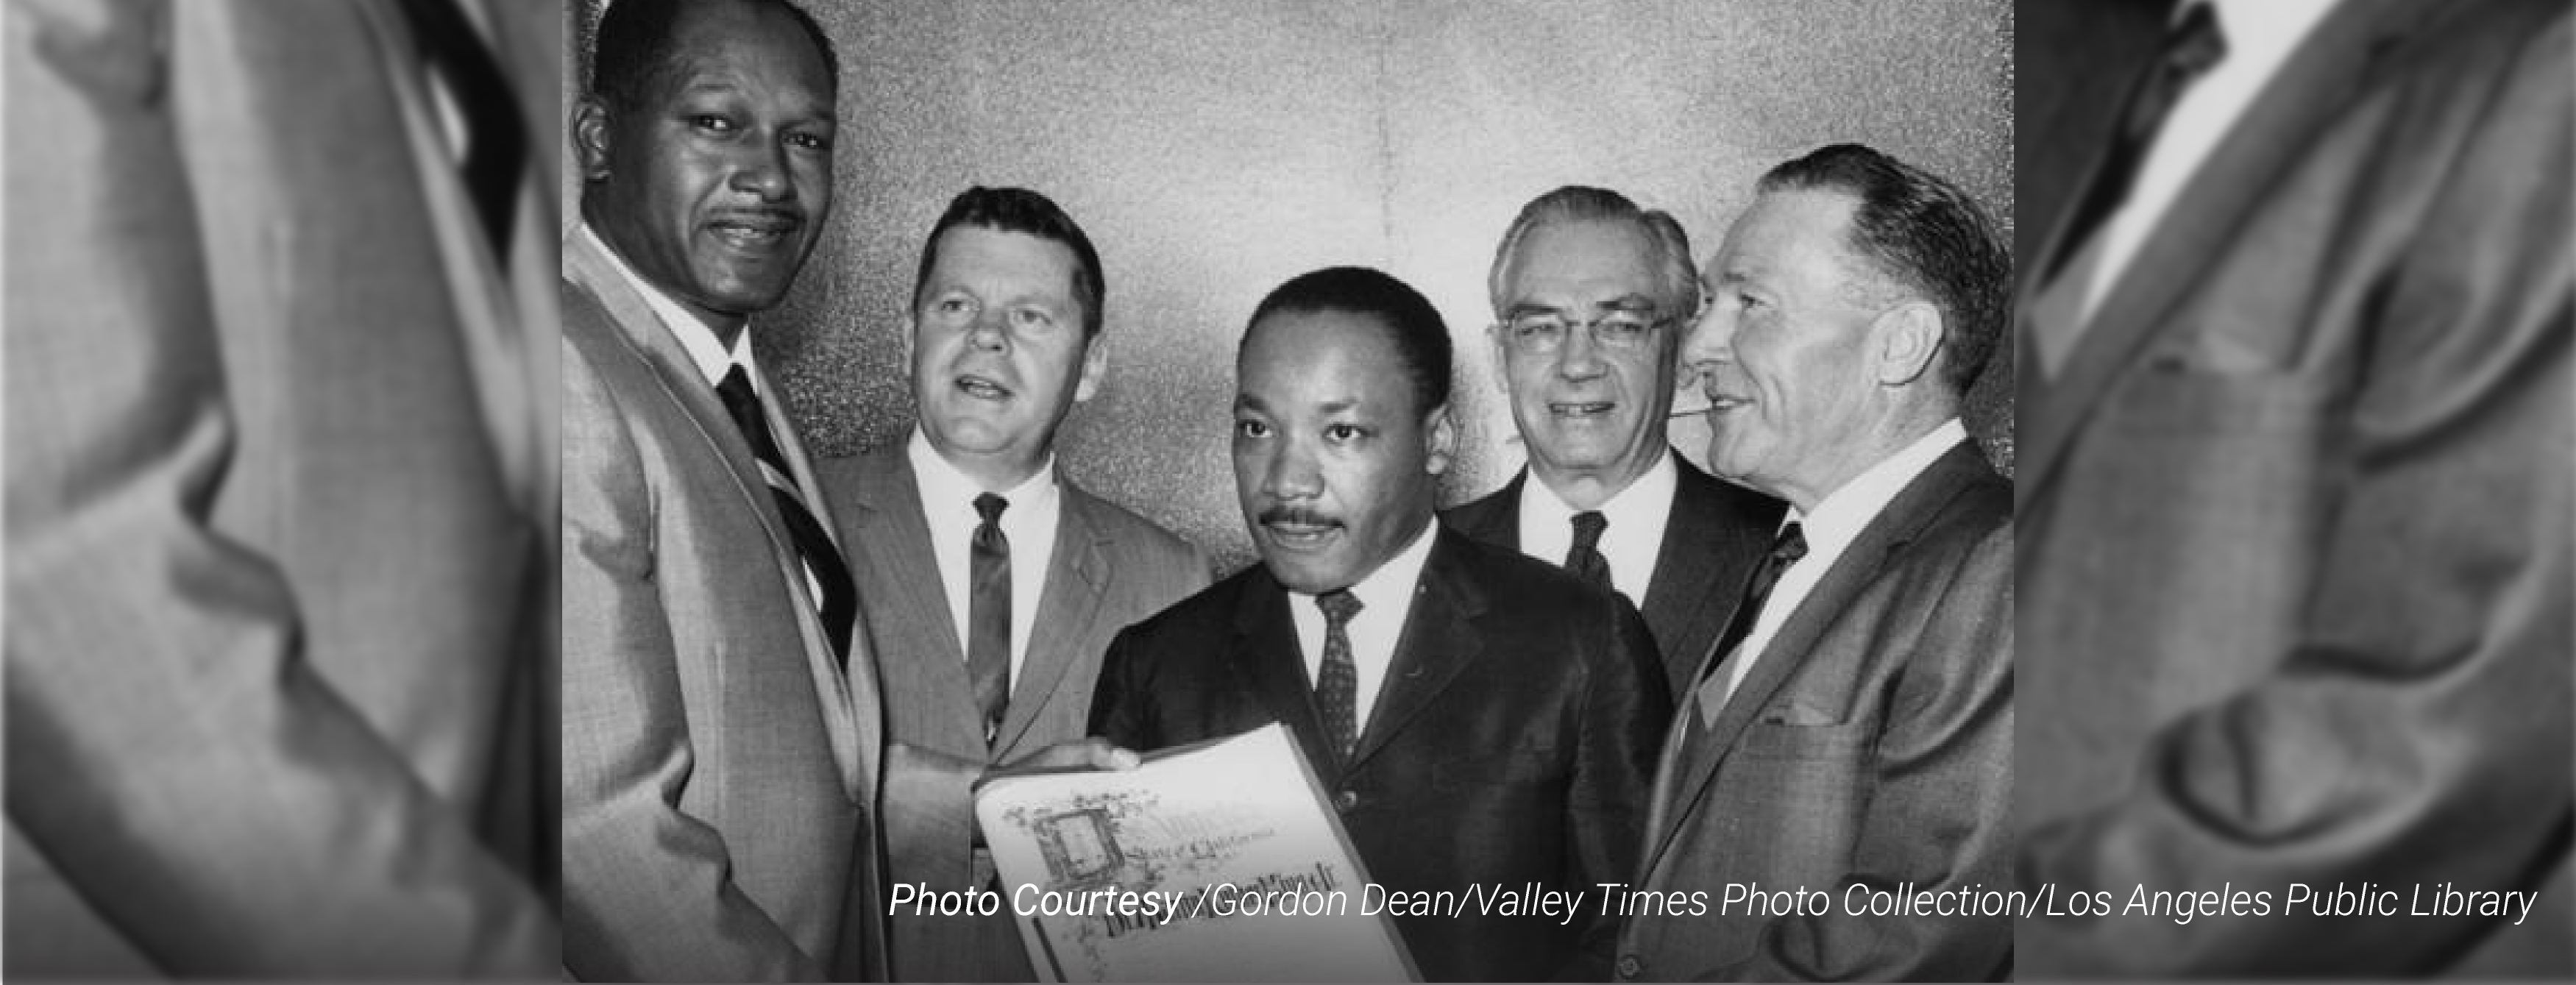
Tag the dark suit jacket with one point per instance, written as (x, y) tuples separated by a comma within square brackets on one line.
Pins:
[(1110, 568), (2296, 514), (719, 770), (281, 487), (1511, 744), (1715, 533), (1870, 745)]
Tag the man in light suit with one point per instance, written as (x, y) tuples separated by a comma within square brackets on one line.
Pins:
[(281, 471), (721, 728), (1480, 717), (1591, 296), (2298, 479), (1852, 732), (989, 633)]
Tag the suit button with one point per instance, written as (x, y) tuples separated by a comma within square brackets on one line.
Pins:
[(1630, 967), (1346, 800)]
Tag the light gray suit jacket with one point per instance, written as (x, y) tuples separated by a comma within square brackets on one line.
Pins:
[(719, 768), (1870, 745), (1110, 568), (2298, 516), (281, 487)]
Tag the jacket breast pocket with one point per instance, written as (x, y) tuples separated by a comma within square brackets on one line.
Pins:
[(2171, 395)]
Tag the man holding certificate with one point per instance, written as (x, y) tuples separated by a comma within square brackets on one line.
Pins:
[(1482, 723)]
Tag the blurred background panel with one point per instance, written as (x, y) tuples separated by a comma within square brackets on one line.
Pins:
[(1216, 149)]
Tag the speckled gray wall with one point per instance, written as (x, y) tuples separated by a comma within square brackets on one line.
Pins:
[(1215, 149)]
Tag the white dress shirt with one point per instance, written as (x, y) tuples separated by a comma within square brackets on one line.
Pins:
[(2261, 36), (948, 504), (1838, 519), (1632, 539), (1386, 598)]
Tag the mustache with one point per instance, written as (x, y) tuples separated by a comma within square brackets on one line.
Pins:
[(1296, 515)]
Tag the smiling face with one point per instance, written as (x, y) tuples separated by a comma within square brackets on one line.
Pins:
[(1785, 352), (714, 185), (1588, 409), (1333, 462), (998, 351)]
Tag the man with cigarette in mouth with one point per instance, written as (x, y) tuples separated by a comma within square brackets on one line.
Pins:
[(1475, 716), (1854, 725)]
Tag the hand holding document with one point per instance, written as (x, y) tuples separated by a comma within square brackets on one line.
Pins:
[(1214, 862)]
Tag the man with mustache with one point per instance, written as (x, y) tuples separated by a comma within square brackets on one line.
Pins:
[(720, 713), (1852, 733), (1477, 716), (990, 582), (1591, 296)]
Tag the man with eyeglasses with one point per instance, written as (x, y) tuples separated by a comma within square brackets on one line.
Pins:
[(1592, 295)]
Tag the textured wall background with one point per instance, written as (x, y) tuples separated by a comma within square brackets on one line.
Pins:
[(1216, 149)]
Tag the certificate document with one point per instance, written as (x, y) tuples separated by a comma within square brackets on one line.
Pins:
[(1215, 862)]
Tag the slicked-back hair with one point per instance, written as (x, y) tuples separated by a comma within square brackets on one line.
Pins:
[(1019, 210), (1421, 339), (1677, 284), (633, 49), (1926, 235)]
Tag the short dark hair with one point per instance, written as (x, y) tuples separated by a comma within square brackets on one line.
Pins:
[(1420, 337), (632, 50), (1019, 210), (1579, 203), (1924, 233)]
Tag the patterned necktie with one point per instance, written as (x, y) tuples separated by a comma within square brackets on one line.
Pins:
[(839, 606), (495, 138), (1337, 685), (1786, 550), (1584, 558), (988, 614)]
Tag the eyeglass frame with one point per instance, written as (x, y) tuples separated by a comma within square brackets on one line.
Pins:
[(1512, 338)]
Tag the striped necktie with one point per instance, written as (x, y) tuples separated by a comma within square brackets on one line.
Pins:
[(839, 605)]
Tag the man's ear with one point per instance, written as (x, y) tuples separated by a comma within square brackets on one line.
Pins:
[(590, 118), (1908, 341), (1442, 439), (1095, 361)]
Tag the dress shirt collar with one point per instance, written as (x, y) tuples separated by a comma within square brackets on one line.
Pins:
[(1636, 517), (1840, 516), (945, 490), (1386, 601), (709, 355)]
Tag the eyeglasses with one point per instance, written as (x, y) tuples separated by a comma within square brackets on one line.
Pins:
[(1541, 332)]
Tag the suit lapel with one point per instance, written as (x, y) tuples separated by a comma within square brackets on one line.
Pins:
[(1265, 653), (2280, 127), (891, 517), (1895, 526), (1691, 595), (645, 334), (1437, 643), (1495, 519), (1077, 580)]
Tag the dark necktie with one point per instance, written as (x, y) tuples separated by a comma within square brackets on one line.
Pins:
[(2191, 48), (839, 606), (1584, 558), (1786, 550), (988, 613), (1337, 684), (495, 141)]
